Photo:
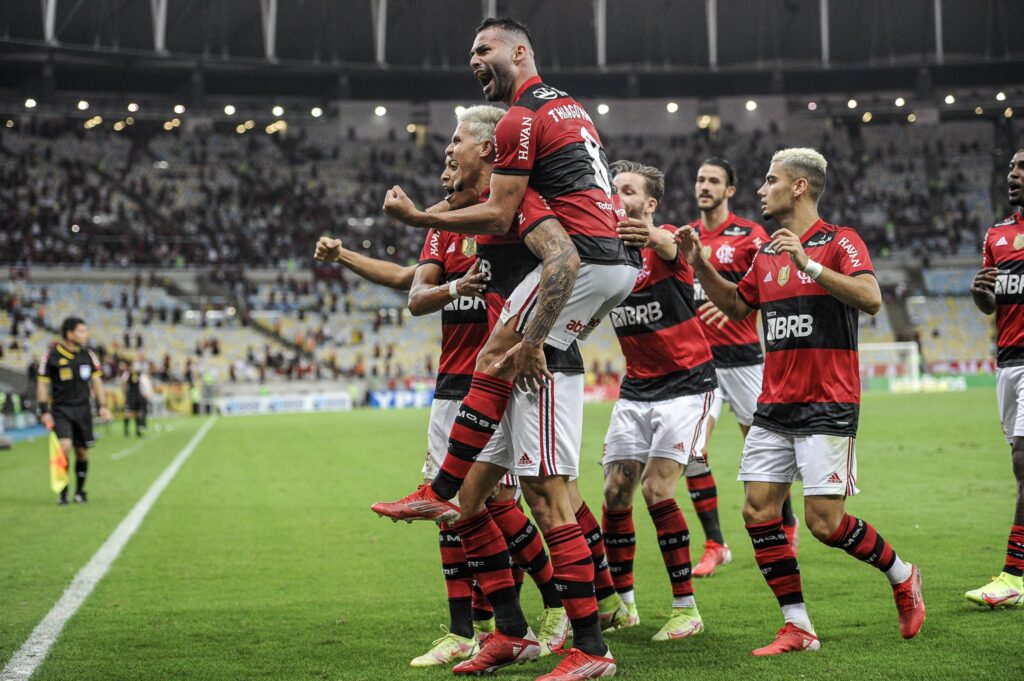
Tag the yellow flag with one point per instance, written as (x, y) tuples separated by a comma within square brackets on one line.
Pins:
[(58, 465)]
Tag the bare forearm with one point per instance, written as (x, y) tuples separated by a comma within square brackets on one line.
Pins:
[(427, 298), (99, 392), (483, 218), (724, 294), (43, 393), (557, 278), (861, 292), (986, 302), (377, 271)]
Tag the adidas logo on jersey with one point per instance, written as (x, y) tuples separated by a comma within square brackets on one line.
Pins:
[(834, 479), (1002, 241), (768, 278), (525, 460)]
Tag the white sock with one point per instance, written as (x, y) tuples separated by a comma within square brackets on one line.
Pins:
[(628, 596), (684, 602), (797, 614), (899, 572)]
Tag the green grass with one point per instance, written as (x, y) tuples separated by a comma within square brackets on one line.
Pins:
[(262, 561)]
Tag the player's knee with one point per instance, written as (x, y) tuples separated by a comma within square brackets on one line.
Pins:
[(656, 490), (822, 526), (755, 512), (81, 454), (617, 497), (1018, 463)]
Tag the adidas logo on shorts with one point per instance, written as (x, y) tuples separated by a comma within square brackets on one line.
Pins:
[(834, 479), (525, 460)]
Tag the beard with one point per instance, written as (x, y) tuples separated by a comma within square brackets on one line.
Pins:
[(715, 203), (501, 84)]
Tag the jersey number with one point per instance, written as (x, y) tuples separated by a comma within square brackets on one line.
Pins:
[(601, 172)]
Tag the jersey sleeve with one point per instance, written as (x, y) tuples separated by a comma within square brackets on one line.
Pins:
[(749, 287), (532, 211), (43, 372), (516, 141), (988, 259), (850, 254), (97, 368), (433, 249)]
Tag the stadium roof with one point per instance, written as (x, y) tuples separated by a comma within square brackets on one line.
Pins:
[(419, 48)]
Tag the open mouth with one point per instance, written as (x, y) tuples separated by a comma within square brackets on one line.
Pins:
[(1014, 187), (486, 78)]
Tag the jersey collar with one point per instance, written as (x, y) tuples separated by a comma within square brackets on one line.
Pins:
[(722, 227), (815, 228), (528, 84)]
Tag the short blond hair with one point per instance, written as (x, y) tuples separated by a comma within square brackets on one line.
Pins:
[(806, 163), (481, 121)]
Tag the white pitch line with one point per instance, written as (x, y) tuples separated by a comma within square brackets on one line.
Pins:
[(32, 653), (127, 451)]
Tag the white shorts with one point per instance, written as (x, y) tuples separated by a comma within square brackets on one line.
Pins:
[(673, 429), (598, 290), (827, 464), (740, 387), (544, 430), (1010, 396), (442, 417)]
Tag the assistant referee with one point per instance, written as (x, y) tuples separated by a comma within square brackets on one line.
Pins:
[(68, 373)]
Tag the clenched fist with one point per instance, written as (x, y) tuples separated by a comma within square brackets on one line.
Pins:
[(327, 249)]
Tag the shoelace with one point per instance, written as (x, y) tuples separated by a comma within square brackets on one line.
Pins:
[(447, 635), (905, 599)]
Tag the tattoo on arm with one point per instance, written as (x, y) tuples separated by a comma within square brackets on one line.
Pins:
[(561, 262)]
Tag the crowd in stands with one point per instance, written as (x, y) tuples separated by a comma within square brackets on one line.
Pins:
[(205, 197)]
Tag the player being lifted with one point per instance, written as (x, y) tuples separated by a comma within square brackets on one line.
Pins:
[(809, 282), (68, 374), (660, 420), (448, 278), (548, 142), (730, 243), (997, 289)]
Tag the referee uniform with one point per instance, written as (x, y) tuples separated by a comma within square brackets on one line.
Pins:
[(68, 368)]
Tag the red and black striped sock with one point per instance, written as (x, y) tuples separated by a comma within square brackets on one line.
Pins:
[(459, 583), (574, 570), (487, 556), (1015, 552), (603, 584), (674, 541), (862, 541), (778, 564), (620, 543), (482, 609), (479, 415), (526, 547), (704, 494)]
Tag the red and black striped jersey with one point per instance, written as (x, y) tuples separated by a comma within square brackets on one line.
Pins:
[(660, 334), (1004, 248), (464, 321), (730, 248), (549, 136), (811, 379)]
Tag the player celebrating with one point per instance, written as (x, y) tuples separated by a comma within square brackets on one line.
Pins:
[(730, 243), (448, 278), (659, 422), (548, 142), (997, 289), (68, 373), (809, 282)]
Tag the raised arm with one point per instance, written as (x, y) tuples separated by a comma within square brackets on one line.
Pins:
[(381, 272), (428, 294), (723, 293), (490, 217), (860, 291)]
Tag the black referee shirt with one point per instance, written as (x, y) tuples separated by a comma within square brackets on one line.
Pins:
[(68, 368)]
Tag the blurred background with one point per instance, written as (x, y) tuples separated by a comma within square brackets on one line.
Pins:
[(167, 166)]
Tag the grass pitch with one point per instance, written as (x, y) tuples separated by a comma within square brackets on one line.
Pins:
[(262, 560)]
